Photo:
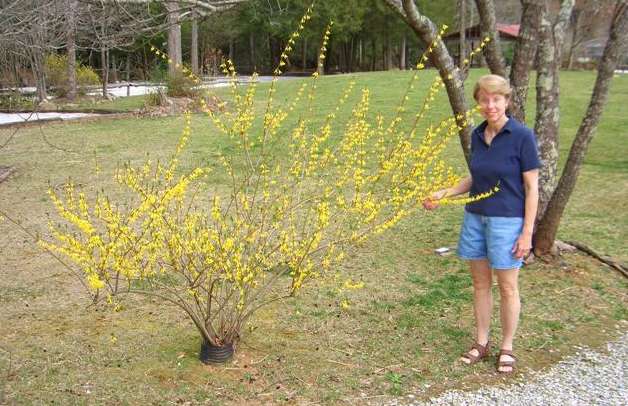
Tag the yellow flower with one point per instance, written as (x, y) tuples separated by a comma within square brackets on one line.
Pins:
[(95, 282)]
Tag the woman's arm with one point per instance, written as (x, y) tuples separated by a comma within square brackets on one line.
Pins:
[(461, 188), (531, 185)]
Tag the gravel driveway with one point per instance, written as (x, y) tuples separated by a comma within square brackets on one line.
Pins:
[(586, 378)]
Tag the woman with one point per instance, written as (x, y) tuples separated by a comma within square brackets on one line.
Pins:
[(497, 231)]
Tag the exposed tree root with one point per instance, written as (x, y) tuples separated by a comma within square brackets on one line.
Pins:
[(602, 258)]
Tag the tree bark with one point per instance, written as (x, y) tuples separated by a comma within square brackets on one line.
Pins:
[(388, 52), (304, 55), (360, 54), (373, 54), (37, 64), (252, 54), (71, 48), (127, 67), (174, 37), (524, 56), (425, 29), (351, 55), (462, 27), (114, 68), (402, 54), (547, 98), (104, 64), (548, 226), (492, 51), (194, 46)]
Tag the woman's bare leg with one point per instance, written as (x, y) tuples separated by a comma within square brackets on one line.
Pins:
[(510, 307), (482, 301)]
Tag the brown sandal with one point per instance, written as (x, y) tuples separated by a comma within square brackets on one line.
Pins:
[(510, 364), (482, 353)]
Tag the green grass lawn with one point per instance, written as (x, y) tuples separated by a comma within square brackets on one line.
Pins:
[(402, 332)]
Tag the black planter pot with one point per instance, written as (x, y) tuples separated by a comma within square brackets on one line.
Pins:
[(211, 354)]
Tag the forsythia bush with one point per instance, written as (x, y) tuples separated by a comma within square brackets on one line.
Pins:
[(57, 74), (286, 218)]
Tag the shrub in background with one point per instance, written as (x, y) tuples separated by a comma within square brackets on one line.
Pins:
[(86, 77), (16, 101), (181, 85), (57, 75)]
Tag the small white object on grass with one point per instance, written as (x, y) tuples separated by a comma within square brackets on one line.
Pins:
[(442, 251)]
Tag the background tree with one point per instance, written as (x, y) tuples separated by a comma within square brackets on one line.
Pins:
[(587, 23), (108, 27), (551, 33), (30, 30), (452, 77), (548, 226), (180, 10), (71, 12), (492, 51), (547, 122), (523, 58)]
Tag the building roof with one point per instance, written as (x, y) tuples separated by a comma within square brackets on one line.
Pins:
[(505, 30), (510, 29)]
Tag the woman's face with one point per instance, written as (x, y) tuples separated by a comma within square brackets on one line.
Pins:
[(492, 106)]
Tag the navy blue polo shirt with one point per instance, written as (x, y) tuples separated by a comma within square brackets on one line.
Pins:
[(512, 152)]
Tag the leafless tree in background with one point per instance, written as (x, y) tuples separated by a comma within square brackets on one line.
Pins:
[(29, 30), (550, 39), (613, 51), (441, 59), (523, 58), (587, 23), (492, 51)]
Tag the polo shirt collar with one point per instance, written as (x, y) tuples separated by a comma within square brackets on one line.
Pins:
[(508, 127)]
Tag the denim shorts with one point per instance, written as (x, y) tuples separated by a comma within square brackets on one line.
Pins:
[(492, 238)]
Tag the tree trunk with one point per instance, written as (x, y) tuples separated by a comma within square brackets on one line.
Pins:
[(574, 43), (342, 57), (462, 26), (127, 67), (174, 37), (373, 54), (548, 226), (360, 61), (274, 54), (571, 57), (524, 56), (389, 52), (425, 29), (492, 51), (231, 49), (351, 56), (71, 48), (547, 98), (194, 46), (104, 64), (252, 53), (114, 68), (304, 55), (402, 54), (145, 65), (37, 63)]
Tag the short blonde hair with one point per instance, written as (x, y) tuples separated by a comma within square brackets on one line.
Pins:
[(494, 84)]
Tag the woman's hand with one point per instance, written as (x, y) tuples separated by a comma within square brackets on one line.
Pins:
[(432, 202), (523, 245)]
